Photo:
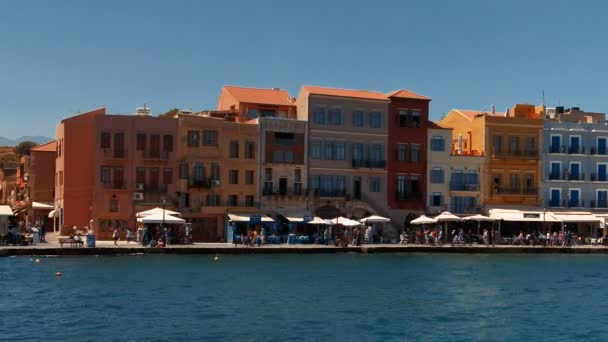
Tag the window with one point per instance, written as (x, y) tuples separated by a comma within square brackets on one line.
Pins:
[(298, 175), (497, 147), (575, 171), (376, 119), (154, 146), (377, 152), (168, 176), (140, 175), (249, 150), (531, 145), (556, 195), (168, 143), (268, 174), (233, 200), (403, 118), (210, 138), (437, 144), (249, 202), (141, 141), (436, 199), (555, 172), (193, 138), (233, 176), (358, 119), (415, 184), (497, 182), (339, 152), (436, 175), (601, 145), (415, 118), (415, 156), (215, 171), (119, 145), (253, 113), (328, 150), (401, 184), (315, 150), (183, 169), (154, 178), (514, 144), (212, 200), (277, 156), (249, 177), (575, 144), (288, 156), (318, 116), (114, 204), (573, 200), (284, 139), (602, 198), (198, 175), (105, 140), (376, 184), (184, 200), (556, 142), (514, 181), (401, 152), (234, 149), (335, 117), (105, 175)]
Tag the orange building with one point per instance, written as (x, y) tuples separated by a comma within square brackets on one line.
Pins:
[(109, 167), (41, 184), (253, 103), (510, 144), (217, 171)]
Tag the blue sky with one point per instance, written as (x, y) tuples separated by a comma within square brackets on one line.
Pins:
[(61, 57)]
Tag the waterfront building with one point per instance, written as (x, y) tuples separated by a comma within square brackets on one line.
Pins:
[(109, 167), (454, 176), (575, 161), (218, 171), (252, 103), (41, 185), (347, 150), (407, 153), (509, 143), (7, 183)]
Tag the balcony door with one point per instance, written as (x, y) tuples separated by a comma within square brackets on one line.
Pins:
[(357, 188), (283, 186), (555, 198), (601, 145)]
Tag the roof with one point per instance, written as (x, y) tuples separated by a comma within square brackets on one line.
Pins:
[(406, 94), (51, 146), (273, 96), (359, 94), (471, 114), (437, 125)]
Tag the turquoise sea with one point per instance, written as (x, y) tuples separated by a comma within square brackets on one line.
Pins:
[(396, 297)]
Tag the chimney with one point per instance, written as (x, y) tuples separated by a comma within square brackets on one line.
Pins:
[(493, 110)]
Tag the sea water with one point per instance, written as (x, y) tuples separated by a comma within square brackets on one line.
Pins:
[(382, 297)]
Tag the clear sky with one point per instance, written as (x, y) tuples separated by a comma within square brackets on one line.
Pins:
[(61, 57)]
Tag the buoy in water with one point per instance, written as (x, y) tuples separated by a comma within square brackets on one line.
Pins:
[(58, 274), (37, 261), (216, 258)]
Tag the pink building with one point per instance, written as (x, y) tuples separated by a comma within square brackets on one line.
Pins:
[(111, 166)]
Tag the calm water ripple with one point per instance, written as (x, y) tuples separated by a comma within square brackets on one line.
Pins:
[(399, 297)]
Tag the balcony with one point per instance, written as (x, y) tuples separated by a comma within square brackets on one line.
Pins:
[(557, 149), (600, 204), (601, 177), (114, 153), (576, 176), (115, 185), (514, 191), (516, 154), (575, 204), (576, 150), (555, 203), (199, 183), (329, 193), (368, 163), (241, 204), (155, 188), (463, 187), (462, 209), (154, 155), (598, 151), (287, 193), (557, 176), (408, 195)]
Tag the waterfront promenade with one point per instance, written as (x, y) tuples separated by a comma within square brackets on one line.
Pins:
[(52, 247)]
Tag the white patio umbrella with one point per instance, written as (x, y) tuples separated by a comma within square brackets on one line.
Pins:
[(479, 218), (345, 221), (375, 218), (157, 211), (318, 220), (423, 220), (446, 217), (168, 219)]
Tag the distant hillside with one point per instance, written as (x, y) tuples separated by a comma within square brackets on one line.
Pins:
[(37, 139), (7, 154)]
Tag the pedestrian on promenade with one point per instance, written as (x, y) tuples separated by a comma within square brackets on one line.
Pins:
[(326, 236), (115, 235), (144, 236), (263, 236), (129, 235)]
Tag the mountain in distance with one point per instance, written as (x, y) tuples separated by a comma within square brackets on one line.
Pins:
[(14, 142)]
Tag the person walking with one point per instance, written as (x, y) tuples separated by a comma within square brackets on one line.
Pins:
[(115, 236)]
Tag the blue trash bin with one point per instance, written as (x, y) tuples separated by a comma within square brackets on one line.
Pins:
[(91, 240)]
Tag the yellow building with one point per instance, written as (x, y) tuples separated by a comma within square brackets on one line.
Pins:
[(510, 144)]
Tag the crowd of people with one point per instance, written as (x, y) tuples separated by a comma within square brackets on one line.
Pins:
[(20, 233)]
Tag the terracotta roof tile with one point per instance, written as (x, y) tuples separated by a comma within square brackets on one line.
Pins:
[(359, 94), (406, 94), (51, 146), (274, 96)]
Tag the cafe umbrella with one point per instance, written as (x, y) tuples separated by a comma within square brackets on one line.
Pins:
[(446, 217), (479, 218)]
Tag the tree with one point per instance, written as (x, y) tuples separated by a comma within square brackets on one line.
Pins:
[(23, 149), (170, 113)]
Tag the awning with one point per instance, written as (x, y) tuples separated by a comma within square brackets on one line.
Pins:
[(247, 217), (54, 213), (167, 219), (577, 217), (295, 216), (523, 215), (42, 206), (5, 210)]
